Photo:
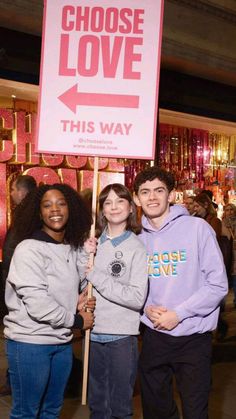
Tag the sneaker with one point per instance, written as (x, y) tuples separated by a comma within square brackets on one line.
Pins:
[(5, 390)]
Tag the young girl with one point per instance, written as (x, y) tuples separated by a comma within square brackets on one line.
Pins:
[(42, 295), (120, 283)]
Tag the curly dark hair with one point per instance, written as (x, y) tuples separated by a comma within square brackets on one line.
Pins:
[(122, 192), (152, 173), (27, 218)]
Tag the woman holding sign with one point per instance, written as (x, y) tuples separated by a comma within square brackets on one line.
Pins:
[(51, 258), (120, 283)]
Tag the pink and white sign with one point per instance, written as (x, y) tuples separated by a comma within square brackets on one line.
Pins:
[(99, 77)]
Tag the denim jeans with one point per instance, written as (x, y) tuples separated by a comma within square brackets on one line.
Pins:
[(38, 375), (112, 373), (186, 357)]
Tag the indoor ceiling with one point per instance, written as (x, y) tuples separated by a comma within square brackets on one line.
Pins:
[(14, 89), (198, 36)]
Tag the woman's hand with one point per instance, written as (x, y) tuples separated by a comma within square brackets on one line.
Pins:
[(86, 303), (88, 318)]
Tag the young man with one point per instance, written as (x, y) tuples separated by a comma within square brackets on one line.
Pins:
[(21, 186), (187, 283)]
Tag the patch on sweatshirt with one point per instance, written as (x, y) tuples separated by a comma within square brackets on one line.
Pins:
[(117, 268)]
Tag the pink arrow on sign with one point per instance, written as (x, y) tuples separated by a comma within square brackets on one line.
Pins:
[(71, 98)]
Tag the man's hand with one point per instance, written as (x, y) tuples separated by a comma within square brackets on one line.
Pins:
[(167, 320), (88, 319), (154, 312), (161, 317)]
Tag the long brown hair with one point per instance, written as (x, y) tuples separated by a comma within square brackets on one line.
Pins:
[(205, 202), (124, 193)]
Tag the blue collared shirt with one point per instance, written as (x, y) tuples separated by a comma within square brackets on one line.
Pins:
[(116, 240)]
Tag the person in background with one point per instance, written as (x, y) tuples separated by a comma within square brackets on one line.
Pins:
[(229, 232), (186, 285), (21, 186), (189, 204), (204, 208), (120, 281), (211, 196), (51, 259)]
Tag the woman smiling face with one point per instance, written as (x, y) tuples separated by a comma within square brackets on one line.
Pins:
[(54, 213)]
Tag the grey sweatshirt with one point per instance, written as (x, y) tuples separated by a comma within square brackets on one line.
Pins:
[(42, 291), (120, 280)]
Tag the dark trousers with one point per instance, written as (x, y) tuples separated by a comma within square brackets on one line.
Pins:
[(112, 373), (186, 357)]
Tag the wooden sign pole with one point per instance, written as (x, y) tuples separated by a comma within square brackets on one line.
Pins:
[(87, 332)]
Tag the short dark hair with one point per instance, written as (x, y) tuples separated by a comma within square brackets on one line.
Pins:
[(152, 173), (25, 181), (124, 193)]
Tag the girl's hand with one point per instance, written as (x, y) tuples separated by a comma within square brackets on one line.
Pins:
[(90, 245), (85, 303), (82, 299), (90, 305)]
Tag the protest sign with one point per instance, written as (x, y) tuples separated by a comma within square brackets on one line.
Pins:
[(99, 77)]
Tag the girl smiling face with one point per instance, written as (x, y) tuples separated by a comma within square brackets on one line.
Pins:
[(116, 210), (54, 213)]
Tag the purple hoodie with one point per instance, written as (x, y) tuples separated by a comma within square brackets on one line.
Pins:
[(186, 271)]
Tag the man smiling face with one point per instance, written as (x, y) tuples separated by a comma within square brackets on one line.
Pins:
[(154, 198)]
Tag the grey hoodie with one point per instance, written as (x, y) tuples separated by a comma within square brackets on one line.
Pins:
[(42, 291), (120, 280)]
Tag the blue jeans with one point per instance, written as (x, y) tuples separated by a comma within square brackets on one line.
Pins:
[(38, 375), (112, 374)]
